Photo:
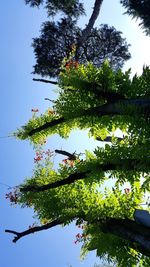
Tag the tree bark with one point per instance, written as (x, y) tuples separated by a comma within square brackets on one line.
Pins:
[(87, 30), (69, 180), (94, 16), (131, 231)]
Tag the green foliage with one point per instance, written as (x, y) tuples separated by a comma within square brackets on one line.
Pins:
[(84, 92), (66, 200), (84, 88), (85, 201), (94, 94)]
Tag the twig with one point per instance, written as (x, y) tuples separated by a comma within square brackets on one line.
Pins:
[(33, 230), (44, 81)]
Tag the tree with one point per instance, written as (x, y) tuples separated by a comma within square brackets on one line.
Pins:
[(57, 39), (139, 9), (91, 44), (70, 8), (102, 100)]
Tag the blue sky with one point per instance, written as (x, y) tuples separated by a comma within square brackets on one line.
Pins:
[(19, 94)]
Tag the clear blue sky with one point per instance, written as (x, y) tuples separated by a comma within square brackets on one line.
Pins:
[(19, 94)]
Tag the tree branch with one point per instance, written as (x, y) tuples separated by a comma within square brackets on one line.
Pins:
[(33, 230), (47, 125), (116, 108), (53, 101), (69, 180), (95, 13), (44, 81), (123, 164), (65, 153), (108, 139)]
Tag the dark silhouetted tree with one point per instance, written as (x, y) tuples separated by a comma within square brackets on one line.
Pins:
[(56, 42), (139, 9), (70, 8)]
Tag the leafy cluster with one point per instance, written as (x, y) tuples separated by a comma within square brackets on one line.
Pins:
[(70, 8), (65, 203), (54, 44), (139, 9), (84, 92)]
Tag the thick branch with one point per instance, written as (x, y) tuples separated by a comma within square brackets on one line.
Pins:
[(44, 81), (126, 164), (109, 139), (116, 108), (65, 153), (131, 231), (33, 230), (47, 125), (92, 20), (69, 180)]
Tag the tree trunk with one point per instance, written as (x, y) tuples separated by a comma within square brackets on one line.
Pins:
[(131, 231), (94, 16)]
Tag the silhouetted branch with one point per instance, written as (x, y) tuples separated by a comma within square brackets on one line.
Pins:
[(69, 180), (94, 16), (53, 101), (33, 230), (109, 139), (47, 125), (122, 164), (65, 153), (44, 81), (116, 108)]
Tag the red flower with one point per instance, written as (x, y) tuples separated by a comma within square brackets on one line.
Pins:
[(38, 159), (71, 64)]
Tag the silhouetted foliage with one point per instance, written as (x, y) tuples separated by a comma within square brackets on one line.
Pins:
[(70, 8), (139, 9), (56, 42)]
